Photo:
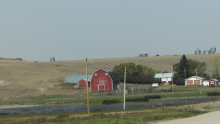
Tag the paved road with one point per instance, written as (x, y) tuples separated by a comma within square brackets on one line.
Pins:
[(208, 118), (82, 108)]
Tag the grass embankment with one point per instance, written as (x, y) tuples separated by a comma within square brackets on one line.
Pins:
[(72, 99), (95, 98), (101, 117)]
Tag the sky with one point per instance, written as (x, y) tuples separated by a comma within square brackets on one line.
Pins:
[(36, 30)]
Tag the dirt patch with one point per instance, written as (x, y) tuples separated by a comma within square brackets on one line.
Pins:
[(3, 83)]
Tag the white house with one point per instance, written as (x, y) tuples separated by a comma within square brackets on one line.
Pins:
[(206, 83), (194, 80), (165, 77)]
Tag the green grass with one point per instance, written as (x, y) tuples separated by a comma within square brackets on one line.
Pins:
[(101, 117), (95, 98), (72, 99)]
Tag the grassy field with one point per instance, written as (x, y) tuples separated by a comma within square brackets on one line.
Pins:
[(96, 98), (29, 78), (102, 117)]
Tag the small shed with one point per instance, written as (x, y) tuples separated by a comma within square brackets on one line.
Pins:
[(194, 80), (76, 78), (213, 82), (205, 83), (104, 80), (83, 82), (165, 77)]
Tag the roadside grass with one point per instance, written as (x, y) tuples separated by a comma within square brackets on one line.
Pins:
[(72, 99), (139, 115), (98, 98)]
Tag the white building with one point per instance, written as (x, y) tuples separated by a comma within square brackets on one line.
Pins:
[(165, 77), (194, 80), (206, 83)]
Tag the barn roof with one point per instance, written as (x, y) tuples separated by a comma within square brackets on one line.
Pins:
[(77, 78), (111, 73), (164, 75)]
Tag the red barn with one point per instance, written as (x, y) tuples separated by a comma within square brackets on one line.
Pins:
[(104, 80), (83, 82), (213, 82)]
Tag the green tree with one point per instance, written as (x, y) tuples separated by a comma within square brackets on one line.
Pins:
[(216, 68), (134, 70), (182, 68), (190, 68), (193, 64), (130, 69)]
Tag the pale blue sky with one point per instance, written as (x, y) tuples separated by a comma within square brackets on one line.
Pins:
[(36, 30)]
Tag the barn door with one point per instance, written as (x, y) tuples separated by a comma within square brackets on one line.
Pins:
[(101, 87)]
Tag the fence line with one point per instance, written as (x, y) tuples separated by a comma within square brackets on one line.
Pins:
[(133, 89)]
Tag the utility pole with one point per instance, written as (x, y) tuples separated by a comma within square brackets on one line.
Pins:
[(87, 86), (124, 87), (196, 79), (185, 75), (172, 78), (185, 72)]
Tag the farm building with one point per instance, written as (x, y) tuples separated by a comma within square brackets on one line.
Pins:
[(104, 80), (213, 82), (205, 83), (76, 78), (194, 80), (165, 77), (83, 82)]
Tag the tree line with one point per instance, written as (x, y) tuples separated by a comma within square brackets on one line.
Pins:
[(137, 74), (142, 74)]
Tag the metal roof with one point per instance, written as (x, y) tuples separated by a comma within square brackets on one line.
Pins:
[(215, 79), (111, 73), (197, 77), (77, 78), (164, 75)]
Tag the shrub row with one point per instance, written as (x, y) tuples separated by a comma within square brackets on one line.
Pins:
[(114, 101), (145, 99), (139, 79), (153, 97), (213, 94)]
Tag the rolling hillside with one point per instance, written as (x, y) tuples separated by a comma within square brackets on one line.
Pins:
[(23, 78)]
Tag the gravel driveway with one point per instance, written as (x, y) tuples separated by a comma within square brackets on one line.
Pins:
[(208, 118)]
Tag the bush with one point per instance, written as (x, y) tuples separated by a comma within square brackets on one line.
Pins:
[(180, 81), (111, 101), (137, 100), (114, 101), (152, 97), (213, 94)]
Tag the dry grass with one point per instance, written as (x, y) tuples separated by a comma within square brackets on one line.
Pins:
[(37, 77)]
